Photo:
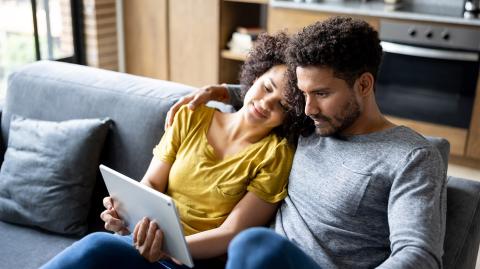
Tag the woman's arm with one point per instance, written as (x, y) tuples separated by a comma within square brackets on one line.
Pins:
[(156, 176), (250, 211)]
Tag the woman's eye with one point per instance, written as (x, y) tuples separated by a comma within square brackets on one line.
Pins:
[(283, 107), (267, 89)]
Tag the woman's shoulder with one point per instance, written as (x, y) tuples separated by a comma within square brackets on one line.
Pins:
[(199, 112), (188, 119), (275, 143)]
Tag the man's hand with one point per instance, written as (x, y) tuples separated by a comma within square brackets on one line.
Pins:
[(197, 98), (147, 239), (112, 220)]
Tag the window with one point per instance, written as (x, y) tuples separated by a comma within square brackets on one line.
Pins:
[(32, 30)]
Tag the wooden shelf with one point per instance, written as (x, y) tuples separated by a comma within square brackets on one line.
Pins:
[(456, 136), (227, 54), (249, 1)]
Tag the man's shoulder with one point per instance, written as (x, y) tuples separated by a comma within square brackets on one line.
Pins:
[(391, 144)]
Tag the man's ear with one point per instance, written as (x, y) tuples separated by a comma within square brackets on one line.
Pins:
[(365, 84)]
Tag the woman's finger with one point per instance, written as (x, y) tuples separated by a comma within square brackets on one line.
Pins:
[(108, 202), (142, 231), (150, 236), (156, 248)]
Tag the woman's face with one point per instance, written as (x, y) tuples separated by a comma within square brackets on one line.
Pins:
[(265, 101)]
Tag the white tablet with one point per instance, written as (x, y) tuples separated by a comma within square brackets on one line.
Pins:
[(133, 201)]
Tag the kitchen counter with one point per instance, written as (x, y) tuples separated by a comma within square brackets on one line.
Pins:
[(429, 13)]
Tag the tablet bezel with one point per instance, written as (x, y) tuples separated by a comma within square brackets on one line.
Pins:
[(134, 200)]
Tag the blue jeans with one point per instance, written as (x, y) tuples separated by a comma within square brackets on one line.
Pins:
[(257, 248), (105, 250)]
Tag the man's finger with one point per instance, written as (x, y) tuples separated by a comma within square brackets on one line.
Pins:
[(173, 109), (198, 100)]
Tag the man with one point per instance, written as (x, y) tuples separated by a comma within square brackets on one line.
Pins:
[(363, 192)]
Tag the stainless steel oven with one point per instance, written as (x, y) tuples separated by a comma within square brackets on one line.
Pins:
[(429, 72)]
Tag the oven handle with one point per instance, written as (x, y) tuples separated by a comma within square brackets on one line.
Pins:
[(429, 53)]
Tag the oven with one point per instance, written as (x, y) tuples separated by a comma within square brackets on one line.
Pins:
[(429, 72)]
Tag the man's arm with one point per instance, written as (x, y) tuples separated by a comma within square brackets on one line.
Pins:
[(226, 93), (235, 95), (417, 212)]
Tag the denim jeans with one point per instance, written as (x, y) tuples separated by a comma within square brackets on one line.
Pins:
[(257, 248), (105, 250)]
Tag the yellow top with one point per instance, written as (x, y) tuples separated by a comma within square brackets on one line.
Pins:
[(206, 188)]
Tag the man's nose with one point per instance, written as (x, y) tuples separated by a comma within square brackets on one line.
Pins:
[(310, 108)]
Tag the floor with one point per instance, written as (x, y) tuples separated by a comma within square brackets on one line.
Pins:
[(465, 169)]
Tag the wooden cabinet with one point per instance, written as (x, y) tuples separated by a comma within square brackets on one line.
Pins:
[(183, 40), (146, 35), (235, 13), (194, 41)]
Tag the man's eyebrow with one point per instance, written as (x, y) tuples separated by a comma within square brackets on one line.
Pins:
[(273, 83), (321, 89)]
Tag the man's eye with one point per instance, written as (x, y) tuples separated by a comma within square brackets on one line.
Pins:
[(321, 94)]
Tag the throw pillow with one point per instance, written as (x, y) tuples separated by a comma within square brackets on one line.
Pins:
[(49, 171)]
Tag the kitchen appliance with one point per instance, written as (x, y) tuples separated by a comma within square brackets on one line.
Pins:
[(472, 6), (429, 72)]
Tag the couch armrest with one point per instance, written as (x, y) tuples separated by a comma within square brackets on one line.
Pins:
[(462, 235), (3, 145)]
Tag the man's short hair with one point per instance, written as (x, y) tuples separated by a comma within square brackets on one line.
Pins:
[(349, 46)]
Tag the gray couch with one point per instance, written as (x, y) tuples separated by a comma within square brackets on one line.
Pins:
[(58, 91)]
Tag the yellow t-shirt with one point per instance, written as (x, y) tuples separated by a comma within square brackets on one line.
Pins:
[(205, 188)]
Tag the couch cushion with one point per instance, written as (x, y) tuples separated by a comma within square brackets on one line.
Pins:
[(443, 147), (27, 248), (48, 173), (463, 223)]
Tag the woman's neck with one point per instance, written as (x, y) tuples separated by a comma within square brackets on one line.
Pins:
[(237, 128)]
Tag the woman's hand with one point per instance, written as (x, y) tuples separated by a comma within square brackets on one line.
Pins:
[(147, 239), (112, 221), (197, 98)]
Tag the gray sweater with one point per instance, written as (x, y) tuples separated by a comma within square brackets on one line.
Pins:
[(365, 201)]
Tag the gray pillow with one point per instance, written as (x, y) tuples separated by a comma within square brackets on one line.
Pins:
[(48, 173)]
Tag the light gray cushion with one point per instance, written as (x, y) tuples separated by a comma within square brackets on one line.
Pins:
[(49, 171)]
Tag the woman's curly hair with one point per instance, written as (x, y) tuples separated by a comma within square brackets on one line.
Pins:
[(267, 52)]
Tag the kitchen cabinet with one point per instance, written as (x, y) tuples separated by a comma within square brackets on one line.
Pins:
[(293, 20), (186, 41)]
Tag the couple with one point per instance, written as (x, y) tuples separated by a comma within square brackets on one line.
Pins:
[(362, 192)]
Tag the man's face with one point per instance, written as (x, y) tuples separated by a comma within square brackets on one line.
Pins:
[(329, 101)]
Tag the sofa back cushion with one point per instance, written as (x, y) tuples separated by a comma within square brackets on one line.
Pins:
[(56, 91)]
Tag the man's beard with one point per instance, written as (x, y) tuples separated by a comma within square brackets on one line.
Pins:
[(347, 116)]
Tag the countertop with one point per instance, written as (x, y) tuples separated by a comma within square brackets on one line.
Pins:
[(428, 13)]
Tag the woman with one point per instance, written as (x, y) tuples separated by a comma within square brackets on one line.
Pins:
[(226, 172)]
